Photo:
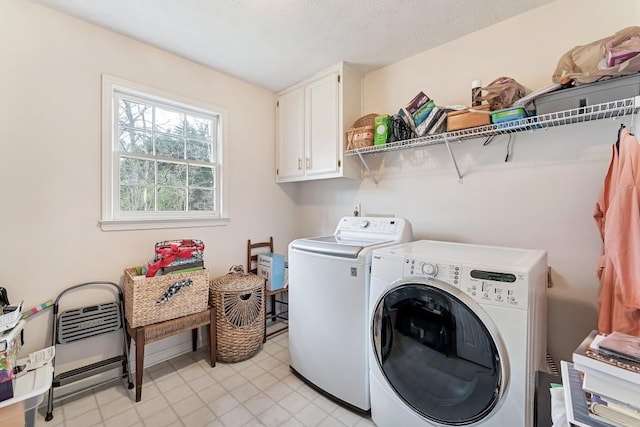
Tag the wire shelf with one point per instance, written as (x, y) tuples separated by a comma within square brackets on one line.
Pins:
[(602, 111)]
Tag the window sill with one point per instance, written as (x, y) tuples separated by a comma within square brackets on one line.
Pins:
[(152, 224)]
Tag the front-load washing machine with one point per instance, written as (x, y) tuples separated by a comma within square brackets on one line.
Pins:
[(457, 333)]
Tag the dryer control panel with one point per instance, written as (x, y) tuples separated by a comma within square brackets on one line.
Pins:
[(483, 285), (449, 273), (501, 288)]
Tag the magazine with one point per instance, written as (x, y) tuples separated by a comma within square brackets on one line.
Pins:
[(622, 346)]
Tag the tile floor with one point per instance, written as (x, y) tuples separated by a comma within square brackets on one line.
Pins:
[(186, 391)]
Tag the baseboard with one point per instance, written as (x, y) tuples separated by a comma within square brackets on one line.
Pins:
[(162, 355)]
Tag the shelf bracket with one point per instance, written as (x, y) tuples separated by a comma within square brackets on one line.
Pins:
[(453, 158), (364, 163)]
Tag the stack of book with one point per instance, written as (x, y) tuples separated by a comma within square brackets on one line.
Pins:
[(609, 371), (423, 116)]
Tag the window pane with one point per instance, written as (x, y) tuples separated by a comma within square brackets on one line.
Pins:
[(200, 176), (170, 146), (199, 150), (169, 122), (132, 141), (201, 200), (163, 157), (199, 128), (134, 115), (171, 199), (137, 198), (172, 174), (136, 171)]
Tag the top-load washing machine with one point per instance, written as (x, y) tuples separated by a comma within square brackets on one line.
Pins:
[(457, 332), (329, 305)]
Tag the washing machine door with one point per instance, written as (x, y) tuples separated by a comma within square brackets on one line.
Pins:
[(439, 352)]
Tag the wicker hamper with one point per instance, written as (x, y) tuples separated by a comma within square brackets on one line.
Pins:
[(239, 302), (143, 295)]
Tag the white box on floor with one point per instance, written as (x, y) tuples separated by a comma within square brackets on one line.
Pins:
[(271, 267)]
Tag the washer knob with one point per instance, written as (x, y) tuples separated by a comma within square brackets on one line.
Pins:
[(430, 269), (364, 223)]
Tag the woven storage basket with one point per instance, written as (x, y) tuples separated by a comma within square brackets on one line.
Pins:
[(361, 133), (141, 296), (239, 302)]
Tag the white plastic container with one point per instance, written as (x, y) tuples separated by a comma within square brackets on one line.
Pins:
[(29, 392)]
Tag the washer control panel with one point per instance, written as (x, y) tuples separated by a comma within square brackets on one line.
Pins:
[(449, 273), (370, 224), (485, 286)]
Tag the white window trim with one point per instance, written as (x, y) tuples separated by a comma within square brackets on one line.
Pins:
[(109, 221)]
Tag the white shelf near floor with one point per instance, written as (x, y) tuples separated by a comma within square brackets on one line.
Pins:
[(29, 391)]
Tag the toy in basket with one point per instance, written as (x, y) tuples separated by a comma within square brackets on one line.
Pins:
[(240, 313), (361, 133), (173, 255)]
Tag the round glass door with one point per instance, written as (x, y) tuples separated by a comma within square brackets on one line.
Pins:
[(437, 354)]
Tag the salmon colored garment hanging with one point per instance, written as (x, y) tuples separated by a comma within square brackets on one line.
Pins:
[(617, 214)]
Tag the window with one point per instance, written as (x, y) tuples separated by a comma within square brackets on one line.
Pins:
[(162, 159)]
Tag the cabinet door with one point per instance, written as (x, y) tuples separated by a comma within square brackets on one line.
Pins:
[(290, 139), (322, 123)]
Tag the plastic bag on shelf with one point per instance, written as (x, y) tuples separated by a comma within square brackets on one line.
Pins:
[(611, 56), (503, 92)]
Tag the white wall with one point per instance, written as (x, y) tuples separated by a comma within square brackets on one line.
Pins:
[(50, 112), (543, 197), (50, 175)]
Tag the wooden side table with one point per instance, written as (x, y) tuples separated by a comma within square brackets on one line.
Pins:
[(143, 335)]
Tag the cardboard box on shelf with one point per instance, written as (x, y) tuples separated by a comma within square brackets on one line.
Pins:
[(464, 119), (382, 129), (418, 101)]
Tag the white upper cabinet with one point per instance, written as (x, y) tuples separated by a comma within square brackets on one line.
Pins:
[(290, 135), (322, 126), (312, 118)]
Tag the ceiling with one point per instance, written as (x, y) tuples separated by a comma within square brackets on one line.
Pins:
[(276, 43)]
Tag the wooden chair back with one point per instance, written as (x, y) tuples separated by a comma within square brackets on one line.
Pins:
[(253, 250)]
